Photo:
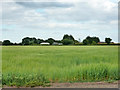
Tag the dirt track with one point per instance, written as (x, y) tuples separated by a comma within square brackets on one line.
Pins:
[(84, 85), (79, 85)]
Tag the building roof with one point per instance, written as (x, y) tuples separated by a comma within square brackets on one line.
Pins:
[(45, 43)]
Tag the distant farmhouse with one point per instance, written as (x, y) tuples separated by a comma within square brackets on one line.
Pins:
[(112, 43), (45, 43), (101, 43), (56, 43), (105, 43)]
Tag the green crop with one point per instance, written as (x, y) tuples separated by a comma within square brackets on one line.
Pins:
[(40, 65)]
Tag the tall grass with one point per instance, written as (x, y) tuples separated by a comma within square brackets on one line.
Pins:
[(37, 65)]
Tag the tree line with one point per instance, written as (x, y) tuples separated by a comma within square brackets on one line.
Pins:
[(66, 40)]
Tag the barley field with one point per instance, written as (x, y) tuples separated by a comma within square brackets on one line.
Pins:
[(41, 65)]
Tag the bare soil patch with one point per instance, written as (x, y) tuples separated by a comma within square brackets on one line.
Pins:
[(85, 85), (78, 85)]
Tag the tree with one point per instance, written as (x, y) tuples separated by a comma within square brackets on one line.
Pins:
[(34, 40), (39, 41), (76, 42), (58, 41), (108, 40), (7, 42), (50, 40), (29, 41), (26, 41), (96, 39), (70, 37), (94, 43), (85, 42), (67, 42), (66, 36), (91, 40)]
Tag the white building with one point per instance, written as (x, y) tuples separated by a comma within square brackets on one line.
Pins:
[(45, 43)]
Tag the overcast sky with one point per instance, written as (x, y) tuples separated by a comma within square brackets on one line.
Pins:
[(53, 19)]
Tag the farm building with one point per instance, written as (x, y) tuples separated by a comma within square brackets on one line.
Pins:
[(105, 43), (56, 43), (45, 43), (101, 43)]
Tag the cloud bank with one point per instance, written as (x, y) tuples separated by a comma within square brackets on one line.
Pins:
[(44, 19)]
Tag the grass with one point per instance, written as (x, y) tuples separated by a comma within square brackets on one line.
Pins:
[(40, 65)]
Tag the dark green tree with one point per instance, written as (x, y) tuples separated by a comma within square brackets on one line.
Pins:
[(26, 41), (76, 42), (30, 41), (108, 40), (66, 36), (86, 42), (91, 40), (6, 42), (67, 42), (50, 40), (58, 41), (94, 43), (39, 41), (70, 37), (34, 40)]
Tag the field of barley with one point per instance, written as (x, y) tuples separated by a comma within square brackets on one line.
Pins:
[(39, 65)]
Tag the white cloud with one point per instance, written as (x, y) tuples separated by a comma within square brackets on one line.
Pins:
[(90, 16)]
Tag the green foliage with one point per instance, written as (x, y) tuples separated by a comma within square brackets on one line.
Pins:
[(94, 43), (50, 40), (40, 41), (85, 42), (31, 41), (34, 41), (37, 66), (91, 40), (26, 41), (108, 40), (25, 79), (7, 42), (70, 37), (67, 42), (76, 42)]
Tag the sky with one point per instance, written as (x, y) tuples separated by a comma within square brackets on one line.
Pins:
[(54, 18)]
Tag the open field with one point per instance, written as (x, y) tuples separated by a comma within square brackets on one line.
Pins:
[(39, 65)]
